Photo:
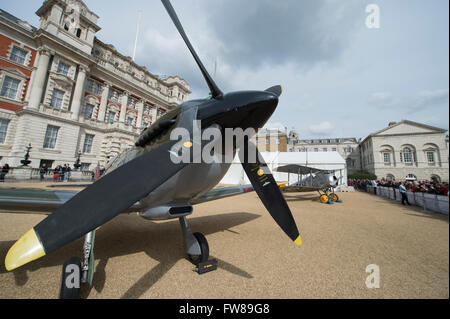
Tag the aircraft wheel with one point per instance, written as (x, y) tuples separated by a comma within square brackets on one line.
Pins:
[(324, 199), (71, 279), (204, 248), (334, 197)]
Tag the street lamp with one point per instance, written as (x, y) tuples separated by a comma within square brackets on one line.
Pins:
[(26, 160), (77, 164)]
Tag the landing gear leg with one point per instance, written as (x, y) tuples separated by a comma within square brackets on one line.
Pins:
[(87, 274), (74, 273), (195, 245)]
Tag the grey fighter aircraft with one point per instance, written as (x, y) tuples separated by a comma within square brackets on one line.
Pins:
[(148, 180), (311, 179)]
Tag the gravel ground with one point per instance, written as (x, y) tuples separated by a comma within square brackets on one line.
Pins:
[(142, 259)]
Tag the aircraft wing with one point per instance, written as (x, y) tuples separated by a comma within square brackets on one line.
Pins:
[(298, 169), (36, 201), (42, 201), (222, 192), (300, 189)]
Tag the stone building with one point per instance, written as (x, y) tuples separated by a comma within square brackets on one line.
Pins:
[(66, 92), (271, 139), (407, 151), (348, 148)]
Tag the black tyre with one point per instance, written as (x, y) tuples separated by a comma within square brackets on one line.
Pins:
[(71, 279), (204, 248)]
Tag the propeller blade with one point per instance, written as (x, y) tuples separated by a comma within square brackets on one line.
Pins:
[(269, 192), (96, 205), (102, 201), (215, 91)]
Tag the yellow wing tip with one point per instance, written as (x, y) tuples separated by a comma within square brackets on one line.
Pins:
[(298, 241), (25, 250)]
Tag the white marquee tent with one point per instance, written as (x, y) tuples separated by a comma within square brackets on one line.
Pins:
[(321, 160)]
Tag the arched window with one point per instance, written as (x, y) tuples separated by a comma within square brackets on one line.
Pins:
[(435, 178), (390, 177), (349, 162), (407, 155)]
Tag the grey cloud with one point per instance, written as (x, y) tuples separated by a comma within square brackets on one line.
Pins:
[(418, 102), (261, 32), (277, 32)]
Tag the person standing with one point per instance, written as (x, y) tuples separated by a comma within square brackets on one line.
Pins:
[(67, 173), (4, 172), (404, 194), (374, 184), (42, 171)]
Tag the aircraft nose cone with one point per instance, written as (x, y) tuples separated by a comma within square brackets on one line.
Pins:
[(276, 90)]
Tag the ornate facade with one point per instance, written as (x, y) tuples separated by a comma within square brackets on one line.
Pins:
[(65, 92)]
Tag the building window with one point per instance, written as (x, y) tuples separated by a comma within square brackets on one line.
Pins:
[(334, 149), (63, 68), (430, 157), (18, 55), (316, 150), (303, 149), (3, 130), (411, 177), (349, 162), (113, 95), (278, 141), (267, 140), (57, 99), (93, 87), (110, 117), (325, 149), (132, 103), (88, 111), (10, 87), (407, 155), (387, 158), (50, 137), (85, 166), (88, 141), (130, 121)]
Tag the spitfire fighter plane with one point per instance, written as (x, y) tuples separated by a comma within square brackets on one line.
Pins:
[(312, 179), (146, 179)]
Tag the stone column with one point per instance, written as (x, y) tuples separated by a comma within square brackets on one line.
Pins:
[(154, 113), (140, 107), (78, 92), (37, 90), (104, 102), (123, 110)]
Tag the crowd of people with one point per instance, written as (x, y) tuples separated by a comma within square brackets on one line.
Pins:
[(428, 187), (61, 173)]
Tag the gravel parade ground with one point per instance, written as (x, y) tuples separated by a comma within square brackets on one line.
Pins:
[(136, 258)]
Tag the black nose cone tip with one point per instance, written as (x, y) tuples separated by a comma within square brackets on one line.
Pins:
[(275, 90)]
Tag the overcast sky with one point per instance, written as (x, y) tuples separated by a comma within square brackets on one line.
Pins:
[(340, 78)]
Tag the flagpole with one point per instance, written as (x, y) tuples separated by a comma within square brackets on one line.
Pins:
[(137, 35)]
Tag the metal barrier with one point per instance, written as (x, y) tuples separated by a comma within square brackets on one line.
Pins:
[(429, 202)]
